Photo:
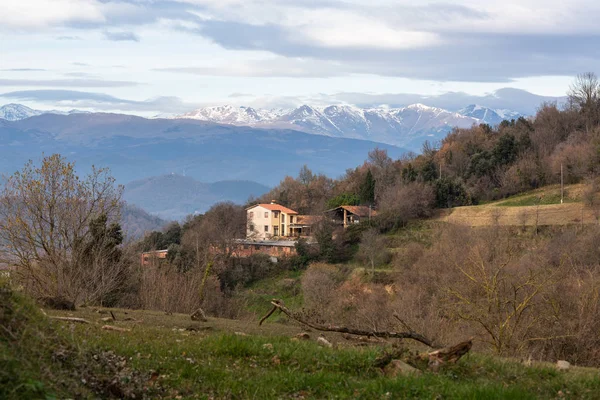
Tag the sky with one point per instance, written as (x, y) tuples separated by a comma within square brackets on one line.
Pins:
[(170, 56)]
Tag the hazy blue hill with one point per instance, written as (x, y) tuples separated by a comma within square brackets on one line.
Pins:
[(174, 196), (136, 148), (136, 222), (238, 191)]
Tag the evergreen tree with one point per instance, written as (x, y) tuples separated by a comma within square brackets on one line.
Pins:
[(409, 174), (429, 173), (367, 189)]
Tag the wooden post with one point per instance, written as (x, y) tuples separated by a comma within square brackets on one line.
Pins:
[(562, 186), (345, 216)]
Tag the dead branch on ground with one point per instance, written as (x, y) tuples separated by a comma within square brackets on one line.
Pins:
[(278, 304), (72, 319), (263, 319)]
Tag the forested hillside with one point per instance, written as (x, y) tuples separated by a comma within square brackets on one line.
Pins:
[(469, 166)]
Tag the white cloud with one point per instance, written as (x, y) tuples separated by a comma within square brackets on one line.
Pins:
[(508, 16), (371, 36), (268, 67), (29, 14), (287, 47)]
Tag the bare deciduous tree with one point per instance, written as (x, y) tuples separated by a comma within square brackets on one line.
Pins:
[(372, 249), (45, 217), (401, 203), (584, 94)]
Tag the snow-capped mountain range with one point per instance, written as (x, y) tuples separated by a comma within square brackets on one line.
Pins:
[(487, 115), (16, 112), (404, 126)]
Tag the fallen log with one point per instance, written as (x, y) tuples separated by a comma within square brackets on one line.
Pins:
[(72, 319), (434, 359), (278, 304)]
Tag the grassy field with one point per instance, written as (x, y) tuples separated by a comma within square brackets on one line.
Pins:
[(540, 207), (544, 196), (169, 356)]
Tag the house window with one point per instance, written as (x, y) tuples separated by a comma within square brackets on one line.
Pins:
[(251, 214), (275, 230), (275, 214), (266, 214), (291, 219), (256, 247), (283, 230), (266, 228), (282, 217), (251, 227)]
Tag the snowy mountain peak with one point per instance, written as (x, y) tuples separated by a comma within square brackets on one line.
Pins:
[(471, 108), (387, 125), (15, 112), (487, 115), (421, 107)]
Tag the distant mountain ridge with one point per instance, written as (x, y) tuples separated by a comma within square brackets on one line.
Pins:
[(487, 115), (406, 126), (16, 112), (173, 197), (135, 148)]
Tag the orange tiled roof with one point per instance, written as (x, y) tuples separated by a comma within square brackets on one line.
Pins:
[(308, 219), (276, 207)]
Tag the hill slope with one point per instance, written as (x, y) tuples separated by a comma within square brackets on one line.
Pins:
[(175, 196), (136, 222), (135, 148)]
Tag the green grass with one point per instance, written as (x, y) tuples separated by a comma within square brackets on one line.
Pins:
[(228, 366), (284, 286), (159, 358), (544, 196)]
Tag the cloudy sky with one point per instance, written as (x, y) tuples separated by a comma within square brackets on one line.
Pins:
[(152, 56)]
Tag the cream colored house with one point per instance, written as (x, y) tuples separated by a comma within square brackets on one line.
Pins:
[(266, 221)]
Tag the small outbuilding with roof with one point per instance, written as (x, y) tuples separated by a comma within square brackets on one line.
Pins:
[(350, 215)]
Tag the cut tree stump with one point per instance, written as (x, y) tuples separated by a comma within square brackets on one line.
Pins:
[(448, 355), (199, 315)]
